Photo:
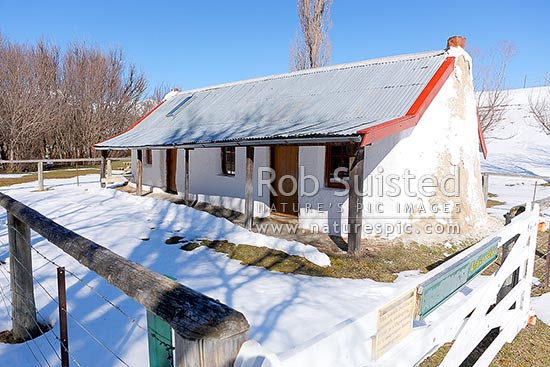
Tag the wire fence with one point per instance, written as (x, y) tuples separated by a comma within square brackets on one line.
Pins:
[(48, 331)]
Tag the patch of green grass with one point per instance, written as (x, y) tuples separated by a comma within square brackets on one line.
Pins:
[(173, 240), (381, 264), (120, 165), (539, 270), (8, 181), (437, 357), (190, 246), (491, 203), (6, 336), (528, 349)]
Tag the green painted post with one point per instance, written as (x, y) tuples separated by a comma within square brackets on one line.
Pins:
[(159, 337)]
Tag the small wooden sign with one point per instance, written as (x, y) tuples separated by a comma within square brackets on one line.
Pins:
[(395, 321), (441, 287)]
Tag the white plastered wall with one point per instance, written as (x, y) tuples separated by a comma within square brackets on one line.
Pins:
[(207, 183), (444, 144)]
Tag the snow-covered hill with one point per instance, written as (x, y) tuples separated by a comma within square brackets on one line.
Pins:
[(518, 145)]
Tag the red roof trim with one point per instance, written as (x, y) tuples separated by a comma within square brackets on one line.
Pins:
[(413, 115), (133, 125), (481, 138)]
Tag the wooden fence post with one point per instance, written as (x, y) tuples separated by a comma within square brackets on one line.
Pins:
[(485, 186), (102, 168), (211, 352), (186, 187), (40, 176), (63, 333), (547, 277), (355, 202), (249, 189), (109, 173), (25, 325), (139, 173)]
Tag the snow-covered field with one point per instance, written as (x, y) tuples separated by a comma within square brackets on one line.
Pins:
[(284, 311), (518, 146)]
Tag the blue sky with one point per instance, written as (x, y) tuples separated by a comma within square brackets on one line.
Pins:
[(199, 43)]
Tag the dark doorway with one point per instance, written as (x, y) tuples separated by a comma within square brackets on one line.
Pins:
[(171, 166), (284, 161)]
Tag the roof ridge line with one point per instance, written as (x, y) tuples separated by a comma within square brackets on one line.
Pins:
[(375, 61)]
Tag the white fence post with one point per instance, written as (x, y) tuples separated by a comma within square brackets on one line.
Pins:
[(40, 176)]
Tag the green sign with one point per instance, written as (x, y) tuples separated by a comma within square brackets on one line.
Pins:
[(441, 287), (159, 335)]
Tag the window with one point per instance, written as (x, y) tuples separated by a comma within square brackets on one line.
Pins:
[(145, 153), (174, 111), (228, 161), (338, 156)]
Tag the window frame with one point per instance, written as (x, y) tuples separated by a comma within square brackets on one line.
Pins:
[(349, 153), (148, 156), (227, 152)]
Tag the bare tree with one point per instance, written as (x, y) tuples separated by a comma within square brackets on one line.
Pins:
[(100, 95), (539, 106), (59, 104), (493, 97), (155, 97), (28, 77), (311, 46), (160, 91)]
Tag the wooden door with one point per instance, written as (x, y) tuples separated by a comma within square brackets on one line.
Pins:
[(171, 164), (284, 161)]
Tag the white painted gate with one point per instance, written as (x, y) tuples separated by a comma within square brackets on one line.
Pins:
[(464, 319), (510, 313)]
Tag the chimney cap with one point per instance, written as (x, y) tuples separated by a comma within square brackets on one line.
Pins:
[(456, 41)]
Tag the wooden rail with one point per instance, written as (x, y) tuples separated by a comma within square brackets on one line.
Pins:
[(516, 175), (105, 164), (68, 160), (208, 333)]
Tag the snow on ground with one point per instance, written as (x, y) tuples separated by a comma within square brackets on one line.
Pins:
[(284, 310), (519, 146), (13, 175), (514, 191), (541, 305)]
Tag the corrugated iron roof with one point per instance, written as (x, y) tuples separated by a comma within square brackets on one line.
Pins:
[(333, 101)]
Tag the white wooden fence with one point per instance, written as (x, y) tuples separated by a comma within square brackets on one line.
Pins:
[(485, 304)]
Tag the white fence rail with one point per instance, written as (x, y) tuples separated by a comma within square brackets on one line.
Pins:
[(497, 303)]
